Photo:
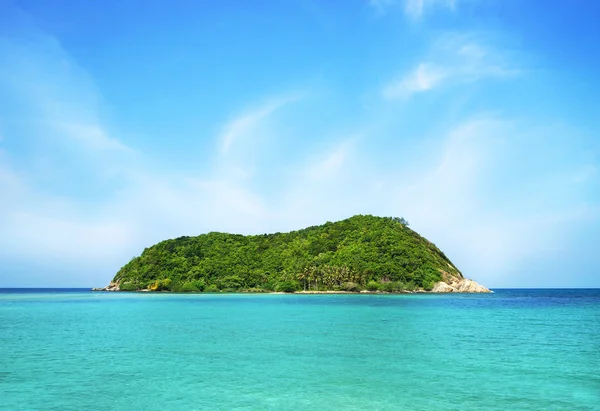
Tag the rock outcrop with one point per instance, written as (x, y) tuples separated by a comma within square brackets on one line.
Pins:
[(462, 285), (113, 286), (442, 287)]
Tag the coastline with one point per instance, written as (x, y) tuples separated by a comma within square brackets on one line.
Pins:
[(463, 286)]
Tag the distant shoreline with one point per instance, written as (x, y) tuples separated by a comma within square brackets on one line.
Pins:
[(312, 292), (461, 286)]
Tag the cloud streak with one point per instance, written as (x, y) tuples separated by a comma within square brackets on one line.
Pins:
[(247, 123), (454, 59), (417, 8), (414, 9), (424, 78)]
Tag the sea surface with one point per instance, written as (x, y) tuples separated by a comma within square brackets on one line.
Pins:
[(511, 350)]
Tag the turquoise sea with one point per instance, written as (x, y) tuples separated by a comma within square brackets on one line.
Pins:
[(511, 350)]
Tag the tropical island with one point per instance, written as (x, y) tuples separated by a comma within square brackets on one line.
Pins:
[(363, 253)]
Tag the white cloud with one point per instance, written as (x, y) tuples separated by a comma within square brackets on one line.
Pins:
[(454, 59), (245, 124), (424, 78)]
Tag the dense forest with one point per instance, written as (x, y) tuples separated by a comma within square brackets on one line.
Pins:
[(360, 253)]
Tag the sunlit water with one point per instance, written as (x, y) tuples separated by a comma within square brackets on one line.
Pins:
[(512, 350)]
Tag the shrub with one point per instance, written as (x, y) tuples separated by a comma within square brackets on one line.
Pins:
[(160, 285), (129, 287), (350, 286), (191, 286), (163, 285), (373, 286), (393, 287), (211, 288), (411, 286), (286, 286), (428, 285), (199, 284), (231, 283), (269, 285)]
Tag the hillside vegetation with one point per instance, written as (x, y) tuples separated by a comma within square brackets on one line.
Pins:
[(360, 253)]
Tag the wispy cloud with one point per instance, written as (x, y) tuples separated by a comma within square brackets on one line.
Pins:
[(330, 164), (64, 228), (59, 95), (243, 125), (381, 6), (423, 78), (56, 114), (414, 9), (93, 136), (584, 173), (453, 59)]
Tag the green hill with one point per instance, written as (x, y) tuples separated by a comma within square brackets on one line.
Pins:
[(360, 253)]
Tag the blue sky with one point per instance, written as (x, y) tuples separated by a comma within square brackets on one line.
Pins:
[(126, 123)]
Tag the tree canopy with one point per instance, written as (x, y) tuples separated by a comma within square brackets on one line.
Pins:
[(363, 252)]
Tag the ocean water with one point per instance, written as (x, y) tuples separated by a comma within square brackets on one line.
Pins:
[(511, 350)]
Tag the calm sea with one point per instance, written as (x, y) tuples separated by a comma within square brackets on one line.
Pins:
[(511, 350)]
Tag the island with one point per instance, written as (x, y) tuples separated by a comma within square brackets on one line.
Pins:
[(363, 253)]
